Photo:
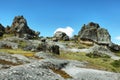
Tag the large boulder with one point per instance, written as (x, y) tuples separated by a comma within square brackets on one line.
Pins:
[(20, 28), (61, 36), (7, 29), (103, 36), (93, 32), (8, 45), (54, 49), (2, 30), (48, 47), (114, 47)]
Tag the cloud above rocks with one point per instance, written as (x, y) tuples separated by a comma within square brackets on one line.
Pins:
[(68, 30), (117, 38)]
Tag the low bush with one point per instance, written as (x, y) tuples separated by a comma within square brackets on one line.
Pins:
[(97, 54), (116, 63)]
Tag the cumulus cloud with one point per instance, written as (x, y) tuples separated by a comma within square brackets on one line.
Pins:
[(117, 38), (68, 30)]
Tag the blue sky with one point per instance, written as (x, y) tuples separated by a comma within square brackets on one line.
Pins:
[(48, 15)]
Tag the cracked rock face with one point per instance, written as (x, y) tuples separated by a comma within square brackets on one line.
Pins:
[(20, 28), (2, 30), (8, 60), (61, 36), (93, 32)]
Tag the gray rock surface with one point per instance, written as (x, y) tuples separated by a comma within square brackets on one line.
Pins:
[(44, 55), (104, 50), (93, 32), (8, 60), (114, 47), (20, 28), (61, 36), (2, 30), (90, 74), (34, 71), (41, 70), (7, 44), (7, 29)]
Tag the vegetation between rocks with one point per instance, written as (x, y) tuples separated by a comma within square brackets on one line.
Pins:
[(61, 72), (18, 51), (116, 63), (101, 63)]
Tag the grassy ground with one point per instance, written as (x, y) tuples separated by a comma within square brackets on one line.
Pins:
[(75, 44), (95, 63), (18, 51), (6, 36), (117, 53)]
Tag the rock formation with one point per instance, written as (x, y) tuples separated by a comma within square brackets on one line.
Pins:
[(48, 47), (2, 30), (114, 47), (93, 32), (61, 36), (7, 29), (20, 28)]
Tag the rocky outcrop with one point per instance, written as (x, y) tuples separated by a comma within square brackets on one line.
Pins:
[(8, 60), (2, 30), (48, 69), (8, 45), (7, 29), (93, 32), (61, 36), (20, 28), (48, 47), (114, 47)]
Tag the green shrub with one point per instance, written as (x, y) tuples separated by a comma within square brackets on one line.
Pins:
[(97, 54), (116, 63)]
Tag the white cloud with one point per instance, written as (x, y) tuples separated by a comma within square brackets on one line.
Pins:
[(68, 30), (117, 38)]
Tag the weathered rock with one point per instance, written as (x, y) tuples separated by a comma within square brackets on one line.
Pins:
[(2, 30), (43, 39), (1, 34), (38, 70), (30, 48), (20, 28), (54, 39), (61, 36), (7, 29), (8, 45), (114, 47), (44, 70), (54, 49), (103, 36), (93, 32), (8, 60), (47, 47), (42, 46), (43, 55), (99, 48)]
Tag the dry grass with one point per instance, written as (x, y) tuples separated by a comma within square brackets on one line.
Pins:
[(4, 62), (117, 53), (95, 63), (6, 36), (61, 72), (18, 51)]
